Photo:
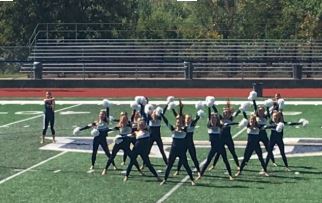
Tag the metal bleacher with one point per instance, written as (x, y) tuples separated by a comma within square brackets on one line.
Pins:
[(163, 58)]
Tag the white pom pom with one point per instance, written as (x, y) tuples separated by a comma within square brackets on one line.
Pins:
[(140, 100), (268, 103), (245, 106), (170, 99), (95, 132), (304, 122), (252, 95), (106, 103), (209, 103), (148, 108), (243, 123), (159, 111), (281, 104), (110, 118), (144, 101), (135, 106), (76, 131), (211, 99), (199, 105), (201, 113), (171, 105), (137, 99), (279, 127)]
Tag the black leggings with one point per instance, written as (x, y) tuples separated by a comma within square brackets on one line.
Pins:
[(125, 146), (156, 137), (264, 139), (276, 139), (48, 119), (178, 149), (253, 145), (100, 140), (141, 148), (228, 140), (216, 147), (132, 140), (192, 151)]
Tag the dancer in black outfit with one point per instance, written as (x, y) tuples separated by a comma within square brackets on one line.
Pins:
[(49, 116), (134, 122), (122, 141), (227, 118), (253, 131), (178, 148), (190, 125), (215, 129), (141, 148), (100, 138)]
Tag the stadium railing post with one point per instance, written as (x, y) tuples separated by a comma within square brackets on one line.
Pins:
[(37, 70)]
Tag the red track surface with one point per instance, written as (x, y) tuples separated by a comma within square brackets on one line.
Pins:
[(158, 92)]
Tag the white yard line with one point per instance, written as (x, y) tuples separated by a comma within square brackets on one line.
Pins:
[(157, 102), (38, 116), (239, 132), (32, 167), (40, 163), (178, 185)]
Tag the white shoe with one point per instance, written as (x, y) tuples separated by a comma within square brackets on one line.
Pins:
[(163, 182), (266, 174), (104, 172), (237, 174), (231, 178), (199, 177), (193, 183), (125, 178), (176, 173), (274, 164), (210, 168)]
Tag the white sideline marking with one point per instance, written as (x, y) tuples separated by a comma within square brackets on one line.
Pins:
[(156, 102), (27, 119), (32, 167), (168, 194)]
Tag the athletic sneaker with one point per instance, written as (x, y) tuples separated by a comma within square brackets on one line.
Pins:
[(176, 173), (163, 182)]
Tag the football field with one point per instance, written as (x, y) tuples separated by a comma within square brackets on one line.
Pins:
[(34, 172)]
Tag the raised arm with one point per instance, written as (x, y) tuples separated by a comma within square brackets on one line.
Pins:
[(268, 115), (194, 122), (181, 107), (255, 105), (133, 114), (167, 122), (245, 115), (236, 113)]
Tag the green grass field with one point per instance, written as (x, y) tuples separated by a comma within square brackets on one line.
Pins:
[(65, 178)]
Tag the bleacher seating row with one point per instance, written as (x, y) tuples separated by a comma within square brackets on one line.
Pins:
[(163, 58)]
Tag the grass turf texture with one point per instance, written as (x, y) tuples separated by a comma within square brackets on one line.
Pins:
[(19, 150)]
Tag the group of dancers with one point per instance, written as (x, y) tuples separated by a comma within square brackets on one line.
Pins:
[(143, 127)]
